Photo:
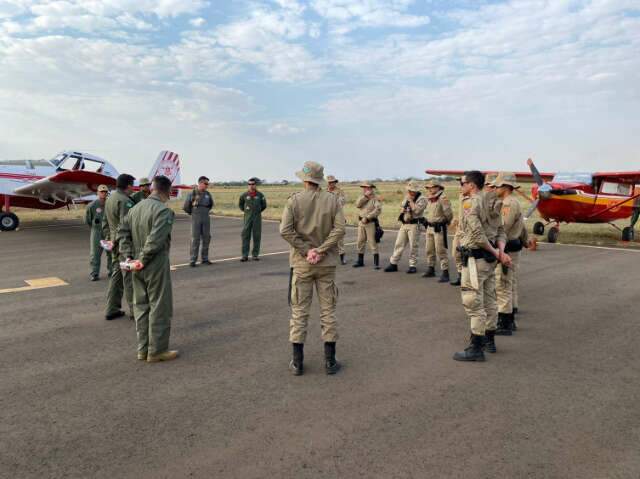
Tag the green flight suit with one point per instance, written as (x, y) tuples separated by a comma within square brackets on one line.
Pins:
[(116, 208), (198, 205), (94, 218), (138, 196), (253, 206), (145, 235)]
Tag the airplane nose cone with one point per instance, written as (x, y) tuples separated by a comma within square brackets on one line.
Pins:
[(544, 192)]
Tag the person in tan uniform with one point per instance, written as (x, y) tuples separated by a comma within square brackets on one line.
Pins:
[(411, 214), (481, 244), (515, 231), (438, 215), (456, 242), (369, 209), (313, 224), (332, 187)]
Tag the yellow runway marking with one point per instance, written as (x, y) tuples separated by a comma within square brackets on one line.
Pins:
[(39, 283)]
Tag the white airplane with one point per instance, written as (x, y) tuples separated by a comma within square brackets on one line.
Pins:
[(71, 177)]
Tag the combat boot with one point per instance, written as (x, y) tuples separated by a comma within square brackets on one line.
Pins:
[(342, 260), (116, 315), (392, 268), (490, 341), (142, 356), (360, 262), (192, 264), (458, 280), (331, 366), (430, 273), (166, 356), (376, 261), (444, 278), (473, 352), (412, 270), (515, 310), (502, 328), (296, 365)]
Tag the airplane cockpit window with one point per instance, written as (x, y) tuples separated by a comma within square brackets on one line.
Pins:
[(611, 188), (582, 178), (58, 159), (70, 163), (93, 166)]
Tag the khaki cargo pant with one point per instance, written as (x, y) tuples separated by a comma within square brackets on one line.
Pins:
[(153, 306), (506, 284), (119, 282), (456, 254), (435, 248), (366, 235), (302, 284), (480, 305), (408, 234)]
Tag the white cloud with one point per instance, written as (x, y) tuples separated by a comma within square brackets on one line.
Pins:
[(197, 22), (284, 129)]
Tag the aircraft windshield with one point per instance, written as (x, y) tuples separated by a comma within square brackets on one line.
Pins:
[(583, 178), (77, 163)]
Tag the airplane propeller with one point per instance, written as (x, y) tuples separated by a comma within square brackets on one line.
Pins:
[(545, 190)]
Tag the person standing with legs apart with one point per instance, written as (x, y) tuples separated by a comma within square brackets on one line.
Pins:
[(480, 245), (252, 203), (94, 217), (438, 216), (144, 191), (332, 187), (198, 204), (370, 208), (516, 233), (313, 223), (411, 214), (145, 239), (116, 209)]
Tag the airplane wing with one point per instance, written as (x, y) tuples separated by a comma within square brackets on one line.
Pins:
[(521, 175), (65, 186), (632, 177)]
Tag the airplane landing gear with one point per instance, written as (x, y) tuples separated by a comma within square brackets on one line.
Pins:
[(628, 234), (538, 228), (553, 234), (9, 222)]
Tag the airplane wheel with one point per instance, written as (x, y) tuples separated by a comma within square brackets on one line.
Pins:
[(628, 234), (8, 221), (553, 234), (538, 228)]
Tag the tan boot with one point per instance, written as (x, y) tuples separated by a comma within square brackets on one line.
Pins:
[(166, 356), (142, 356)]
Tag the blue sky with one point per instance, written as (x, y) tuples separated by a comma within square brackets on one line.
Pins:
[(369, 88)]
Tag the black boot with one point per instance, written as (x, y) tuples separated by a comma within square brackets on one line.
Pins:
[(515, 310), (360, 262), (296, 364), (392, 268), (376, 261), (473, 352), (458, 280), (490, 341), (342, 260), (331, 366), (503, 328), (412, 270), (430, 273), (444, 278)]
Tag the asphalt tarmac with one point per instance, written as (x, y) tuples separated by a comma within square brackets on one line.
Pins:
[(559, 400)]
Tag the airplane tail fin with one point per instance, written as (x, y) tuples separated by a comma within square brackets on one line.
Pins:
[(168, 164)]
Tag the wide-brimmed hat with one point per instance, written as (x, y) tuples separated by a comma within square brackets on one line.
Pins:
[(367, 184), (506, 178), (413, 186), (432, 182), (490, 178), (103, 188), (312, 172), (332, 179), (144, 181)]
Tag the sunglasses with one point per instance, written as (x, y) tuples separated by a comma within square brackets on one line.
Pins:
[(462, 183)]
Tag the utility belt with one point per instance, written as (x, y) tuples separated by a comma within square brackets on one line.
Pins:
[(513, 246), (479, 253), (379, 232), (437, 227), (410, 222)]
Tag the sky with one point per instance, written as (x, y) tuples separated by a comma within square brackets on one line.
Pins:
[(368, 88)]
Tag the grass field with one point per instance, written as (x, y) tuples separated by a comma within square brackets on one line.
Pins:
[(391, 193)]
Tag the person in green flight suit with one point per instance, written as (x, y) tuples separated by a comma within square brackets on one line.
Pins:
[(116, 208), (93, 218), (145, 240), (253, 203), (144, 191)]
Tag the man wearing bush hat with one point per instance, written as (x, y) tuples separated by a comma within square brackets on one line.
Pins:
[(438, 215), (144, 191), (313, 223), (369, 209)]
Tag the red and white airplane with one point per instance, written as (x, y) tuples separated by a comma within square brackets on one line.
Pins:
[(71, 177)]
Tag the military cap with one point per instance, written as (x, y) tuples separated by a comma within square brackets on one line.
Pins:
[(203, 178), (413, 186), (367, 184), (332, 179), (506, 178), (102, 188), (432, 182), (312, 172), (490, 178), (254, 180), (144, 181)]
